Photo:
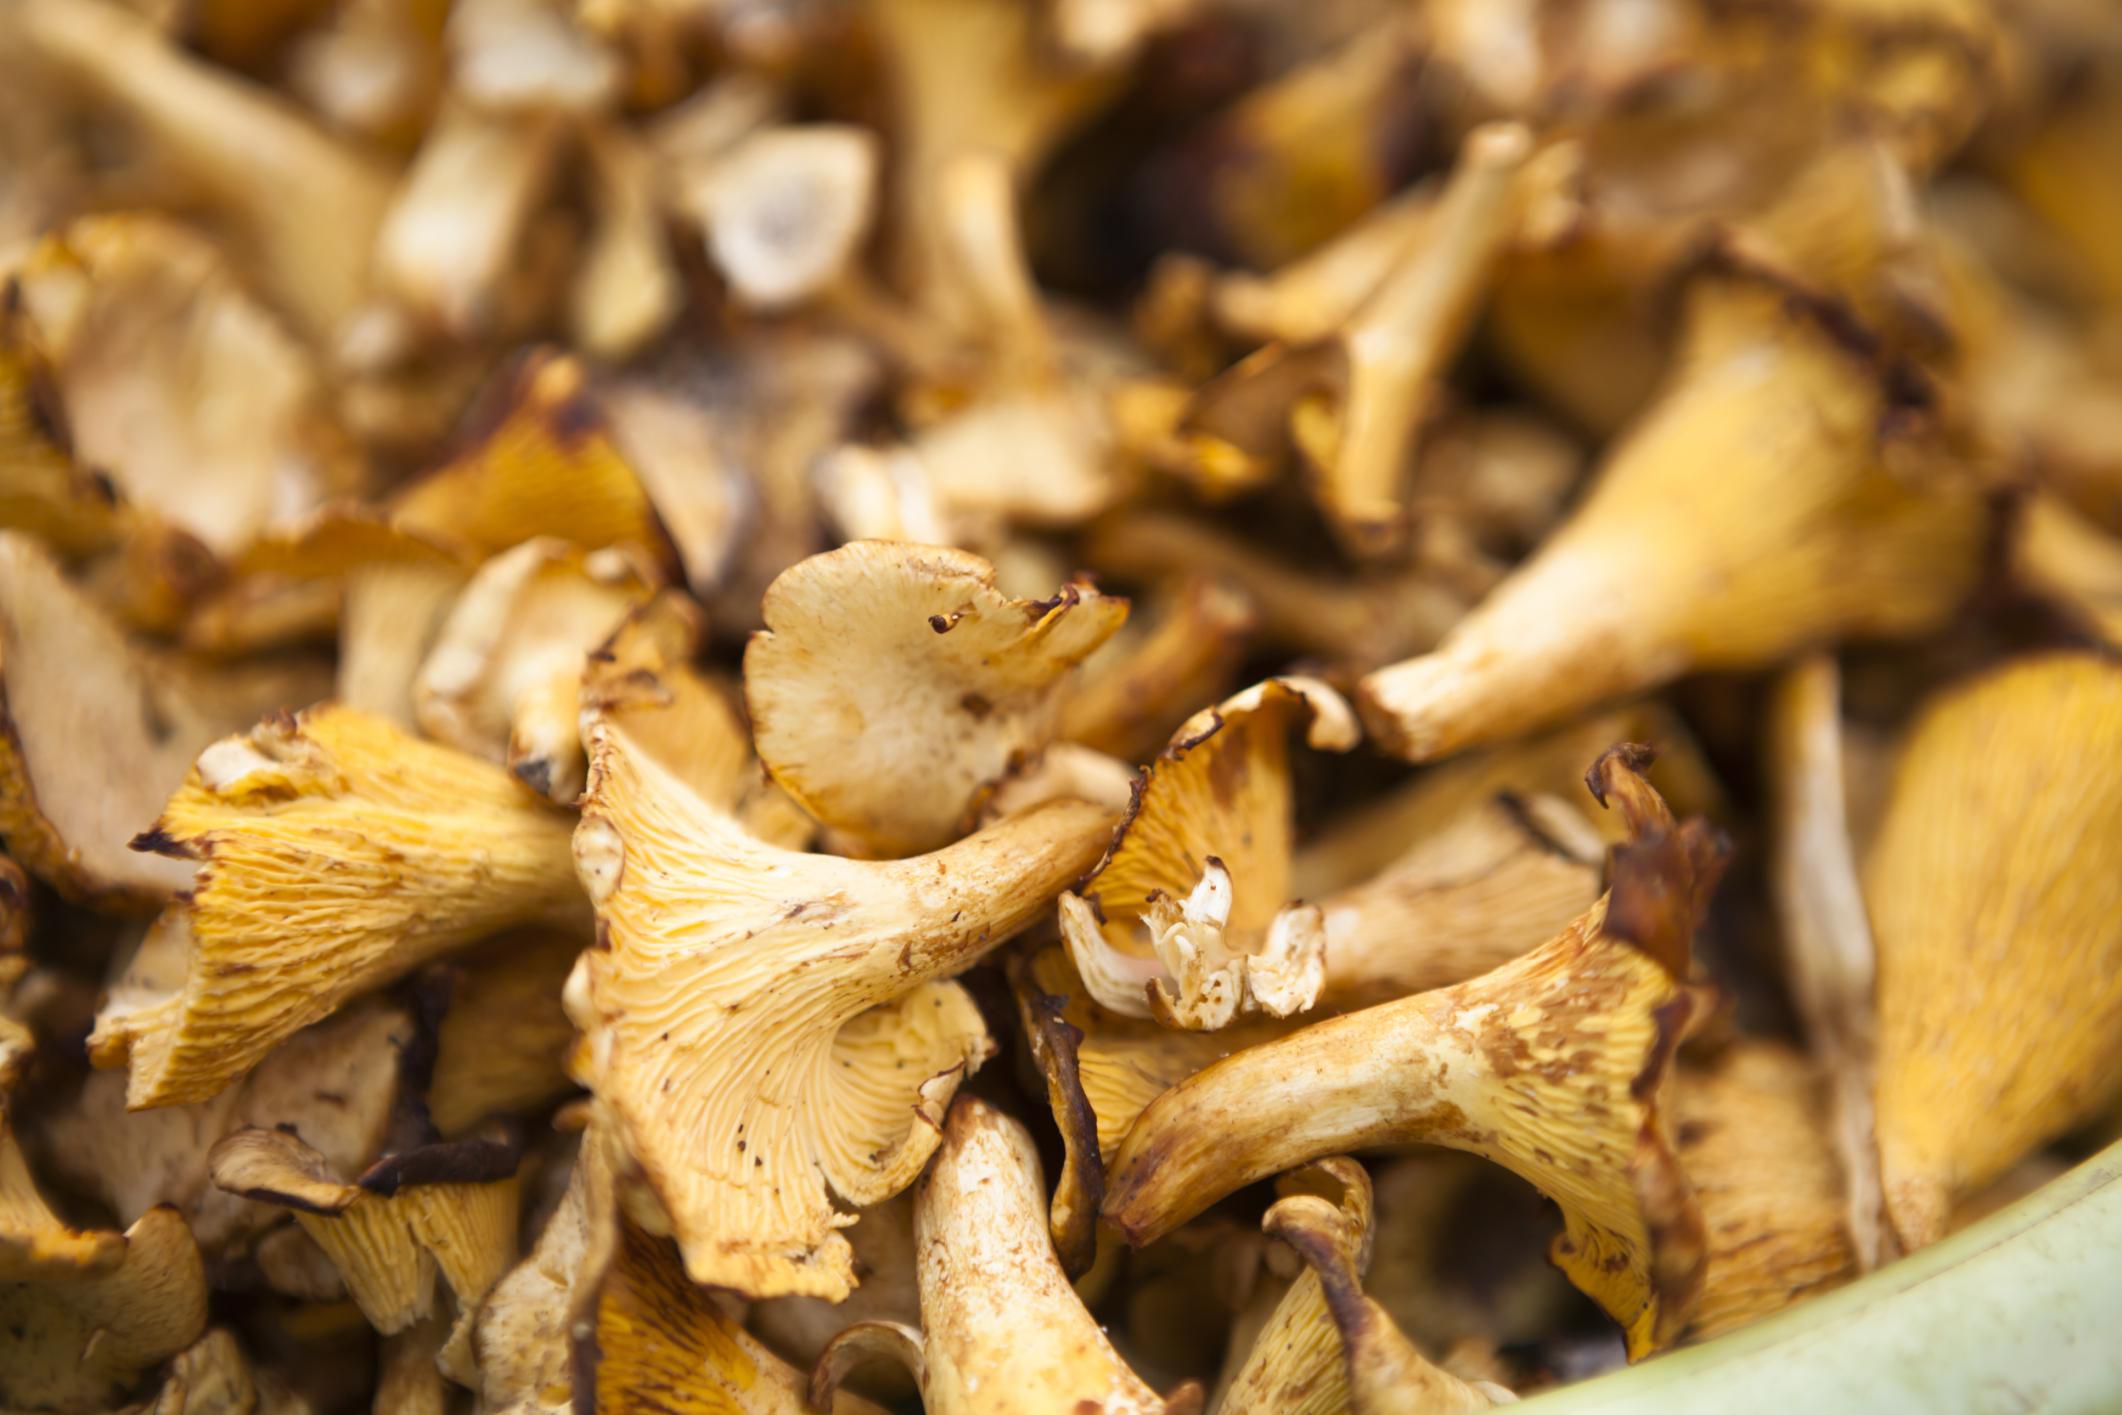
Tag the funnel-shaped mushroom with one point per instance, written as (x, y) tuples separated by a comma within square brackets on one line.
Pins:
[(1328, 1347), (1357, 399), (304, 206), (444, 1210), (337, 853), (1753, 1137), (1825, 517), (1001, 1329), (1552, 1066), (84, 1315), (762, 1024), (97, 732), (2000, 966), (1187, 918), (895, 683)]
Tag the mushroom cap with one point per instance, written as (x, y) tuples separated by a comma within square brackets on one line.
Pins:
[(894, 684)]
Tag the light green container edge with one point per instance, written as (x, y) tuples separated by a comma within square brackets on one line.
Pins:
[(2020, 1312)]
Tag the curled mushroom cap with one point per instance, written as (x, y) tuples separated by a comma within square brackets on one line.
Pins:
[(1201, 867), (446, 1210), (2000, 993), (762, 1024), (1806, 533), (1001, 1329), (84, 1315), (336, 854), (894, 683), (1328, 1347), (97, 732), (1553, 1066), (1754, 1139)]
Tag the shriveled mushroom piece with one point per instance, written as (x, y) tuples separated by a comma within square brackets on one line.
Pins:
[(504, 678), (1356, 400), (176, 385), (1553, 1066), (1001, 1329), (2000, 992), (98, 731), (1752, 1136), (1328, 1347), (894, 684), (83, 1315), (762, 1024), (444, 1210), (301, 205), (1836, 511), (338, 853), (1188, 918), (1827, 936)]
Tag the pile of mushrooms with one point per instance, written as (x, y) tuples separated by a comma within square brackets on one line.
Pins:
[(1058, 705)]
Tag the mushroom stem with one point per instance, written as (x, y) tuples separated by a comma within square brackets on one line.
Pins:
[(1804, 533)]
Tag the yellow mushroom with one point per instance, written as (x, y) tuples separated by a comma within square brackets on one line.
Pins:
[(1001, 1329), (99, 730), (895, 683), (1188, 917), (336, 853), (1826, 519), (442, 1211), (1511, 1065), (762, 1024), (2000, 997)]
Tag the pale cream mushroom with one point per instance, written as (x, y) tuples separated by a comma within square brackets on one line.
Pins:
[(1001, 1329)]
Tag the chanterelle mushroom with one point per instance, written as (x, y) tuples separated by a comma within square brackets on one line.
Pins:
[(2000, 966), (1806, 533), (1002, 1330), (444, 1210), (1328, 1347), (97, 732), (894, 683), (762, 1024), (1552, 1065), (336, 853), (84, 1315), (1201, 866)]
